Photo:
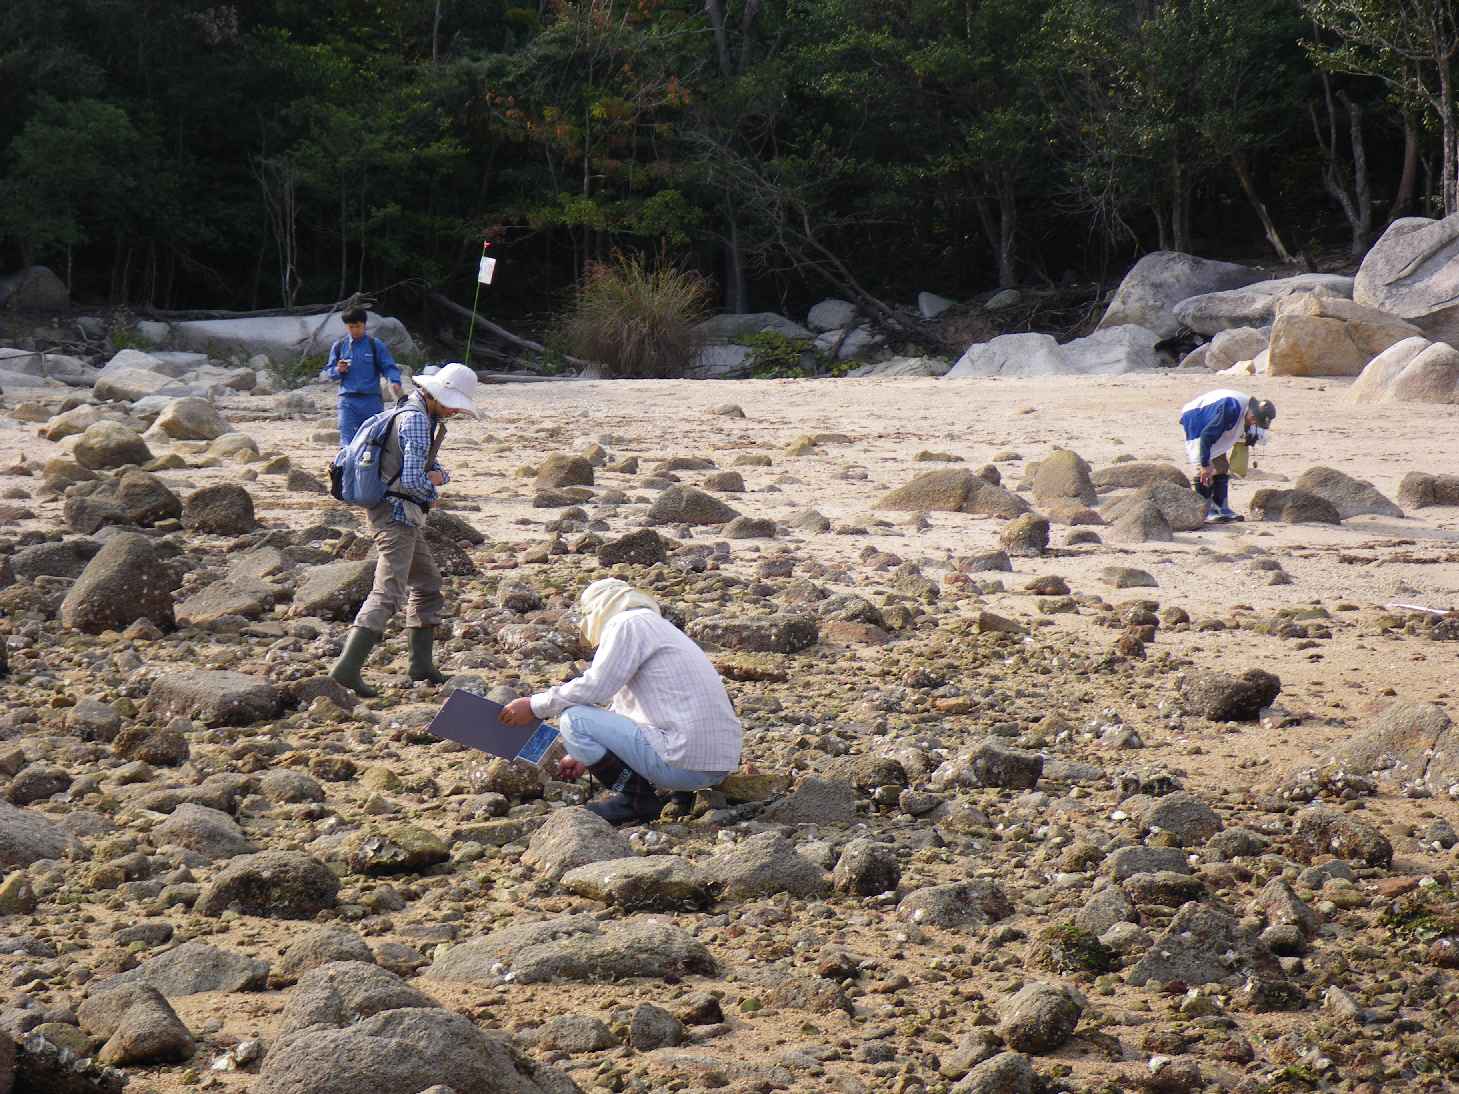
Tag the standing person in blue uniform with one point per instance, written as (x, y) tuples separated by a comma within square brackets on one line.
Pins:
[(357, 362), (1214, 424)]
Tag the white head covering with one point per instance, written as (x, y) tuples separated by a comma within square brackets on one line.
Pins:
[(602, 600)]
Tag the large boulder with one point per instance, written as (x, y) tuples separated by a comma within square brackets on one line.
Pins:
[(1431, 377), (728, 328), (1327, 336), (408, 1049), (1182, 509), (274, 884), (225, 510), (973, 903), (571, 838), (1205, 944), (756, 634), (215, 697), (1232, 346), (231, 598), (1114, 351), (762, 866), (1377, 377), (1351, 497), (27, 836), (1418, 490), (685, 505), (564, 469), (1413, 272), (208, 832), (1039, 1018), (831, 315), (1135, 474), (1224, 698), (954, 490), (1161, 280), (1417, 743), (1014, 355), (1255, 305), (284, 338), (341, 992), (1063, 476), (334, 591), (125, 582), (146, 499), (1294, 507), (191, 419), (108, 444), (195, 967), (927, 367), (34, 289)]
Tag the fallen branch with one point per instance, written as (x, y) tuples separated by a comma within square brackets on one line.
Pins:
[(507, 336)]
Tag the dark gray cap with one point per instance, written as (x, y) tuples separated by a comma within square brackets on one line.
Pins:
[(1264, 411)]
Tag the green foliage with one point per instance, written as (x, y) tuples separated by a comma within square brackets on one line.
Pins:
[(776, 356), (298, 371), (637, 318), (128, 338)]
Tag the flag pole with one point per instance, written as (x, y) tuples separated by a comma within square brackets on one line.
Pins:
[(471, 330)]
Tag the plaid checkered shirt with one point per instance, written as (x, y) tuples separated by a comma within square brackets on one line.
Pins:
[(414, 427)]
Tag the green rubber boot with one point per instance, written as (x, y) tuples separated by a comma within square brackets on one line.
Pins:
[(422, 663), (352, 658)]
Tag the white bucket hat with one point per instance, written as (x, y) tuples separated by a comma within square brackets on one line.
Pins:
[(453, 386)]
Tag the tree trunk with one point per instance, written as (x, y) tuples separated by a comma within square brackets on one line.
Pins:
[(1007, 231), (736, 291), (1179, 207), (714, 9), (344, 239), (436, 35), (1162, 226), (1451, 146), (1362, 190), (1268, 226), (1408, 182)]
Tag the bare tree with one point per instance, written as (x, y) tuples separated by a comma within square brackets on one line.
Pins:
[(278, 182), (1411, 46), (796, 233)]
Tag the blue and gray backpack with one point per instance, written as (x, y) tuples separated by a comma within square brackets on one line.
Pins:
[(355, 476)]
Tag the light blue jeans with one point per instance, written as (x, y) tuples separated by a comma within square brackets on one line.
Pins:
[(590, 732)]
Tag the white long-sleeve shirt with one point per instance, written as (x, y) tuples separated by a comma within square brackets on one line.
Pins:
[(648, 670)]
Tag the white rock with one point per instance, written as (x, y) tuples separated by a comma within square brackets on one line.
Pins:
[(284, 338), (1377, 377), (831, 315), (718, 362), (1160, 281), (1113, 351), (153, 332), (930, 305), (858, 343), (1011, 355), (726, 328), (1256, 304)]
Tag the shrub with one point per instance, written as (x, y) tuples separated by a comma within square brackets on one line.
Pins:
[(635, 319)]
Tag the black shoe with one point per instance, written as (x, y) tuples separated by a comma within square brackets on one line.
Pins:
[(628, 809)]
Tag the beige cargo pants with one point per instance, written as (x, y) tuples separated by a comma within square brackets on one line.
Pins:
[(405, 573)]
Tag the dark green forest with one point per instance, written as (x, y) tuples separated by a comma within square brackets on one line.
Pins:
[(192, 153)]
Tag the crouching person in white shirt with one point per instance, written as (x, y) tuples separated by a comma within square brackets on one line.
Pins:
[(668, 723)]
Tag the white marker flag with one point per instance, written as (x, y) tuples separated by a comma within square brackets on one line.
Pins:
[(484, 272)]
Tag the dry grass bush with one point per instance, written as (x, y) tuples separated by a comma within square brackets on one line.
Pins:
[(637, 318)]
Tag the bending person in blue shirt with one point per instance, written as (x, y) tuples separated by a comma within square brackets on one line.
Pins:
[(1213, 424), (357, 362)]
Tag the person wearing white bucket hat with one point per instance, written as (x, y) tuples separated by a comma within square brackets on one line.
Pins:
[(405, 571)]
